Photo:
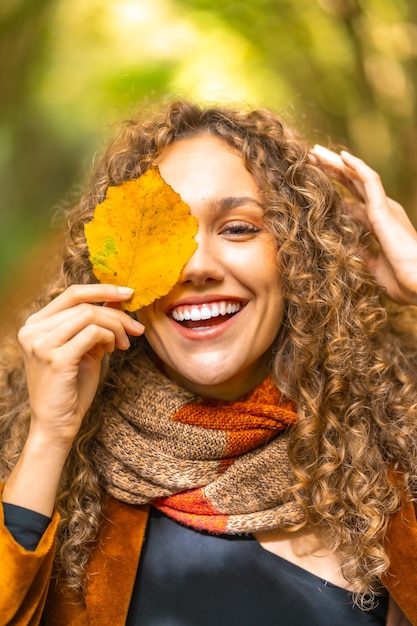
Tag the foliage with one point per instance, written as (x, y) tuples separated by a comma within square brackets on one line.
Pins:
[(141, 237)]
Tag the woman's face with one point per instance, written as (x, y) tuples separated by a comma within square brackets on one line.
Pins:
[(214, 329)]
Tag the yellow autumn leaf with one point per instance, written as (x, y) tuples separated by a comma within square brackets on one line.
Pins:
[(141, 236)]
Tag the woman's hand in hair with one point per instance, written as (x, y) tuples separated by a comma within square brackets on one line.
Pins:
[(395, 265), (63, 346)]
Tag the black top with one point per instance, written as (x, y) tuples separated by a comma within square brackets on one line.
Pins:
[(26, 526), (189, 578)]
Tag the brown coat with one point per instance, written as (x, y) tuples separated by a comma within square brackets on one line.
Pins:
[(112, 571)]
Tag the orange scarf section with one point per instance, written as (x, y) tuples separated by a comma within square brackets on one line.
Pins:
[(248, 424), (215, 465)]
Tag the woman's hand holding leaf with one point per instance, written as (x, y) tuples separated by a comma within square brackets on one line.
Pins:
[(63, 346)]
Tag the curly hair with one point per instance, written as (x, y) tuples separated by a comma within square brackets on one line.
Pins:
[(344, 352)]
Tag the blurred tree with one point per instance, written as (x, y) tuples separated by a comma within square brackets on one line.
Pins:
[(351, 67), (33, 168)]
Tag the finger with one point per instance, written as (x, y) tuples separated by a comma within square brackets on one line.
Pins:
[(378, 202), (77, 294), (368, 180), (64, 325), (65, 332), (93, 340), (368, 184), (341, 170), (327, 156), (44, 324)]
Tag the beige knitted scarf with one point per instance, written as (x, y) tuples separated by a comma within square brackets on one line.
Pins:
[(214, 465)]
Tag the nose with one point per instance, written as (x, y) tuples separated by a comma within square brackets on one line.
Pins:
[(205, 264)]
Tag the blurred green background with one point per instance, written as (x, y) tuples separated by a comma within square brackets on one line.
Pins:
[(341, 70)]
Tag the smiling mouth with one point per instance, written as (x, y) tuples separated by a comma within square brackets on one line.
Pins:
[(207, 314)]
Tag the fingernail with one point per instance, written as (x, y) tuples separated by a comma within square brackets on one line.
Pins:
[(125, 291)]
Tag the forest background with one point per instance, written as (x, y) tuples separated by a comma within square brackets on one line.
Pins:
[(343, 71)]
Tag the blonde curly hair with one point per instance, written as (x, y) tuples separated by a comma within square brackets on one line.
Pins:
[(344, 352)]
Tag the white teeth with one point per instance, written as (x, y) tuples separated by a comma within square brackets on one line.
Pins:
[(205, 311), (195, 314)]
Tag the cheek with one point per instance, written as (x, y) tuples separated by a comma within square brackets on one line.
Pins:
[(157, 329), (257, 266), (270, 291), (267, 278), (266, 262)]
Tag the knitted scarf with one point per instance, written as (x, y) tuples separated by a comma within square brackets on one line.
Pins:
[(214, 465)]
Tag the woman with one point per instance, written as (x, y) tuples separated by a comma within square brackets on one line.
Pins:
[(257, 423)]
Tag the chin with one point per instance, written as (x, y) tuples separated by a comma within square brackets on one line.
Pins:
[(205, 380), (215, 384)]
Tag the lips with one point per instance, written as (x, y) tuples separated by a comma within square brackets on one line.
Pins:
[(205, 314)]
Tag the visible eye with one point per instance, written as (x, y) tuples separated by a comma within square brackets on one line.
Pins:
[(239, 229)]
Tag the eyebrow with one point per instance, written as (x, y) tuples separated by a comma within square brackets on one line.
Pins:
[(233, 202)]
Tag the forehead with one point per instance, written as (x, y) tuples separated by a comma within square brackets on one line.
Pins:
[(205, 167)]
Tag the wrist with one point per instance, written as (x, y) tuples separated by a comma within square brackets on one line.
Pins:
[(34, 481), (45, 443)]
